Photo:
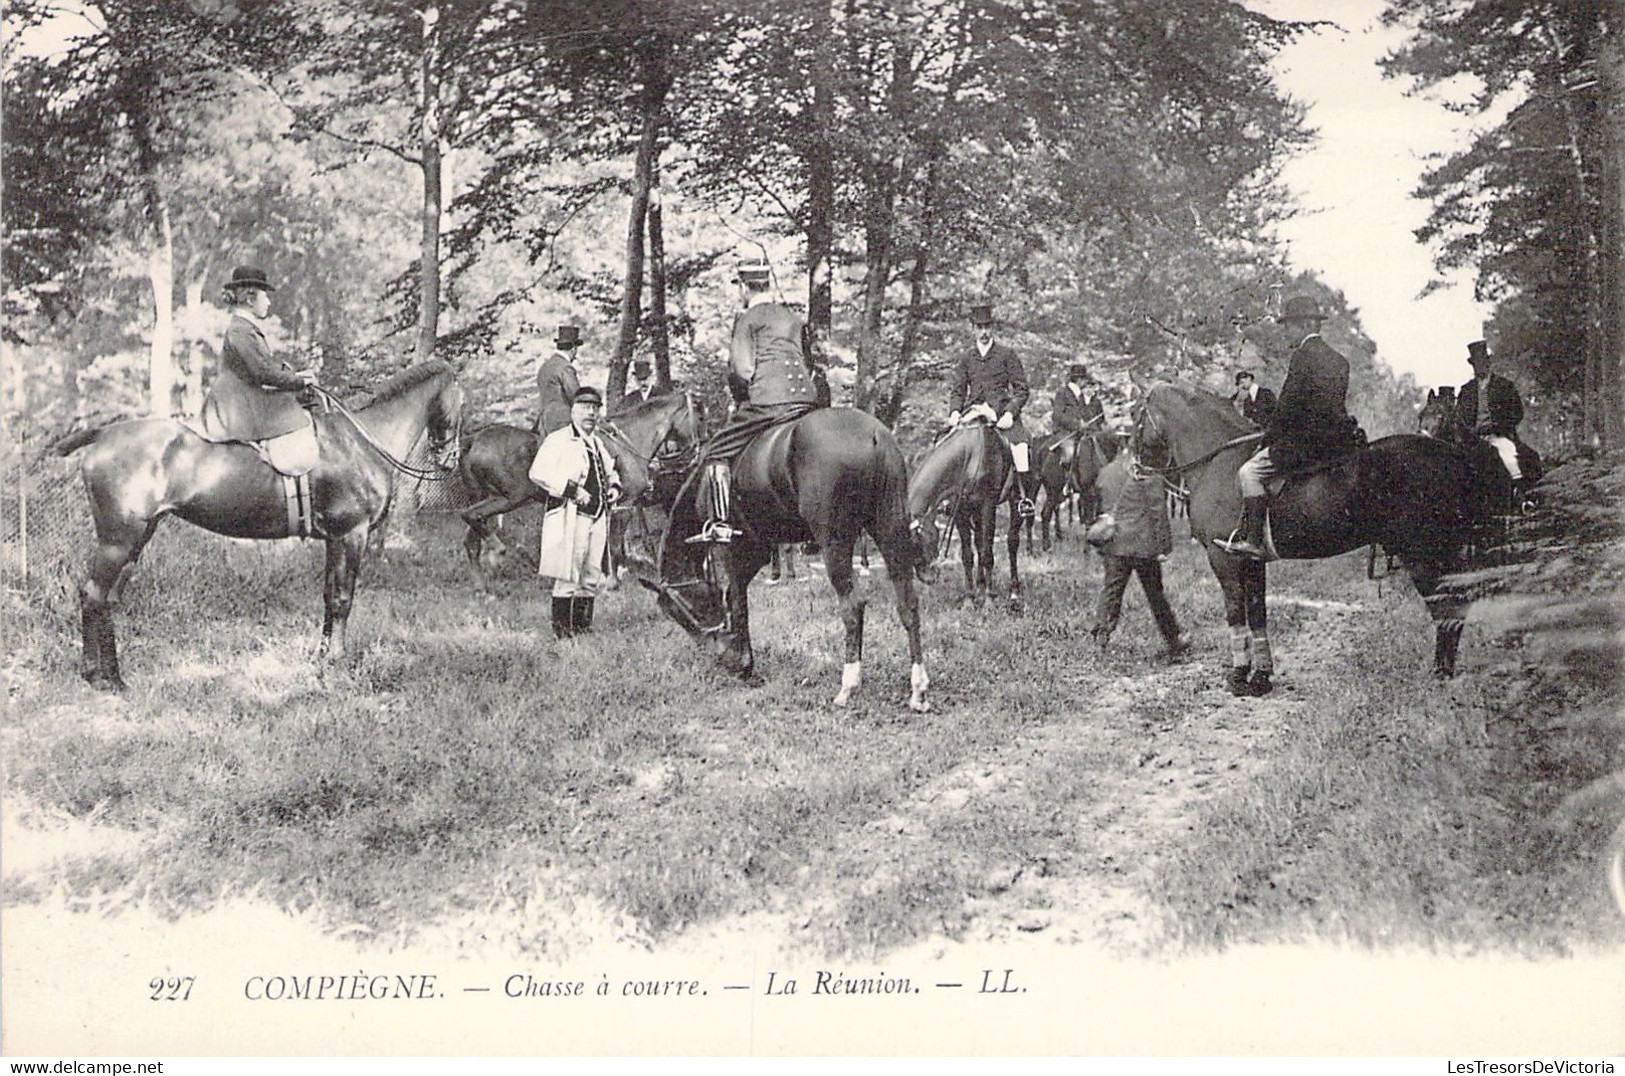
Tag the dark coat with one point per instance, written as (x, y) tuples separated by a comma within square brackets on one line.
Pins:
[(998, 381), (1140, 508), (556, 384), (1259, 409), (250, 399), (1502, 411), (767, 358), (1070, 413), (1311, 417)]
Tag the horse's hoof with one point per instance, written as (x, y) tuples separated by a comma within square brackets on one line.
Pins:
[(111, 684), (1260, 685), (842, 699), (1238, 682), (1442, 673)]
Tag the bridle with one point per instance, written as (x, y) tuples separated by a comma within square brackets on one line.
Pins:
[(440, 472)]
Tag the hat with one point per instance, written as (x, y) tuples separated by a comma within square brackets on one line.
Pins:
[(1077, 372), (1302, 308), (754, 271), (1243, 375), (567, 336), (981, 314), (246, 276), (1476, 350), (588, 394)]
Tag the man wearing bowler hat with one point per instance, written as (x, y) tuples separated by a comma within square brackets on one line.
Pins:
[(1310, 423), (1255, 402), (557, 381), (578, 474), (1076, 408), (640, 385), (252, 398), (1490, 406), (990, 380)]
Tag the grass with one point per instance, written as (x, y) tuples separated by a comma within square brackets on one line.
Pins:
[(464, 763)]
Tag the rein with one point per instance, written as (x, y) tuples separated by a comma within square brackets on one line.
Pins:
[(439, 473), (1178, 469)]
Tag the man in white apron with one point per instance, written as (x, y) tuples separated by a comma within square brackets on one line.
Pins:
[(578, 474)]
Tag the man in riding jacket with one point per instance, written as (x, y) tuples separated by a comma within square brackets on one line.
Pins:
[(251, 398), (1310, 423), (1489, 406), (578, 474), (1072, 411), (992, 376), (557, 381), (1255, 402), (640, 385), (770, 377)]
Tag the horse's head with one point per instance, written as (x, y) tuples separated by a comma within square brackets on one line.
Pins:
[(1148, 438), (1436, 414), (445, 419), (924, 537)]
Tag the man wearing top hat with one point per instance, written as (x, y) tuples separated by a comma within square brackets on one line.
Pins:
[(639, 385), (1076, 409), (990, 378), (770, 377), (1489, 406), (251, 398), (1255, 402), (578, 474), (557, 381), (1310, 422)]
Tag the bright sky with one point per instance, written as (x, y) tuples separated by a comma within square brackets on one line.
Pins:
[(1354, 184)]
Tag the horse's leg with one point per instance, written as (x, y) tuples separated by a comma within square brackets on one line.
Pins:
[(899, 554), (967, 552), (343, 566), (1256, 578), (477, 515), (118, 545), (1228, 570), (839, 562), (744, 560), (1446, 607), (1013, 550)]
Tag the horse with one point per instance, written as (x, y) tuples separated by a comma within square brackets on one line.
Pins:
[(1416, 496), (971, 471), (827, 476), (1437, 418), (496, 459), (1068, 463), (138, 471)]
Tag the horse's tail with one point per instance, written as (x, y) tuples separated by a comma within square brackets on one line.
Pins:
[(73, 442)]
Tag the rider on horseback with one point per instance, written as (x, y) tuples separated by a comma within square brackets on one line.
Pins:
[(251, 399), (1072, 411), (992, 379), (1489, 407), (770, 377), (1310, 422)]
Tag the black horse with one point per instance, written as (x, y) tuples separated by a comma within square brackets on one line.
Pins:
[(1416, 496), (496, 461), (826, 477), (970, 471), (137, 472)]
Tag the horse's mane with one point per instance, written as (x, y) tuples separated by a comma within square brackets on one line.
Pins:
[(409, 379), (1208, 405)]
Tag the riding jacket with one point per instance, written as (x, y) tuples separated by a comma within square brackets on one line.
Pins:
[(1500, 414), (1072, 411), (995, 379), (250, 399), (766, 358), (556, 383), (1258, 406), (1311, 418)]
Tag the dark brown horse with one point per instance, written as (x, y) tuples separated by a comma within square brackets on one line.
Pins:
[(970, 472), (496, 461), (137, 472), (827, 477), (1416, 496)]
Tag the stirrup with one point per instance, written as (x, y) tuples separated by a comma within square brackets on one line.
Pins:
[(1025, 508), (715, 531), (1240, 546)]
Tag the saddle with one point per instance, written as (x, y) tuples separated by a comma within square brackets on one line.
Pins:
[(292, 456), (1277, 483)]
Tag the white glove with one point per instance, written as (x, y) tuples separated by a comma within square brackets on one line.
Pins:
[(1006, 420), (953, 419)]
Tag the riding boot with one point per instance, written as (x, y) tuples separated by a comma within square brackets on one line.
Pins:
[(719, 479), (581, 614), (563, 620), (1248, 540)]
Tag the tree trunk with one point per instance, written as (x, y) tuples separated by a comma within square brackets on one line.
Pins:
[(656, 81), (161, 273), (1611, 63), (192, 396), (918, 275), (657, 289), (429, 138), (820, 162)]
